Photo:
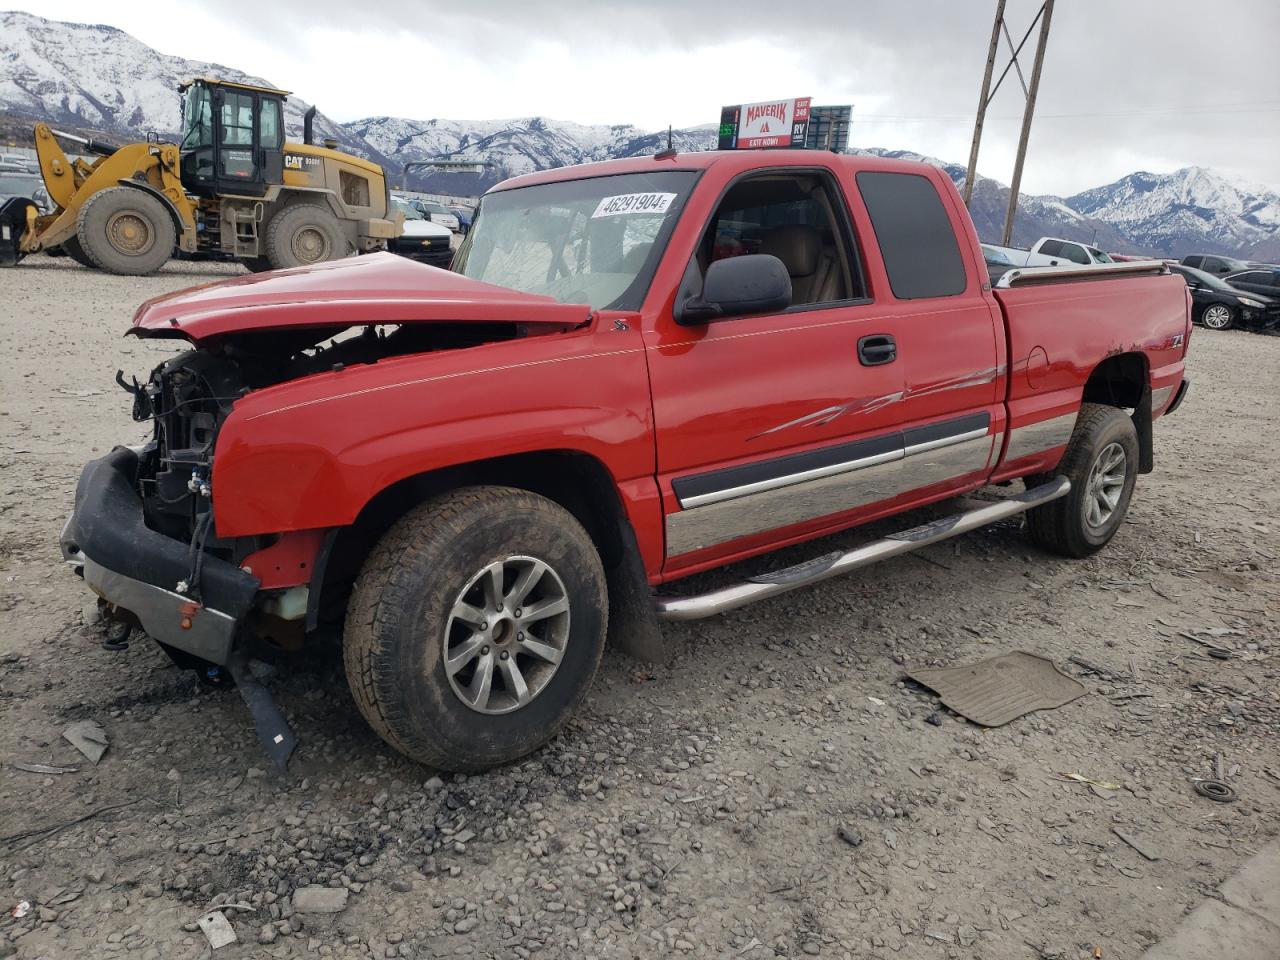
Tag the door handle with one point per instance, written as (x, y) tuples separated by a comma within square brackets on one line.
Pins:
[(877, 349)]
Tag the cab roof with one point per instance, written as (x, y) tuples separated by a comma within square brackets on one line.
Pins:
[(215, 82), (736, 161)]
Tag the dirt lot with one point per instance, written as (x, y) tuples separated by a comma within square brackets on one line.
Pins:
[(692, 809)]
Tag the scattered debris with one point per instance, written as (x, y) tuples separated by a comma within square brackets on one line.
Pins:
[(1079, 778), (1217, 651), (1091, 667), (20, 909), (89, 738), (33, 837), (1214, 790), (216, 928), (994, 691), (320, 899), (47, 768), (849, 835), (1133, 841)]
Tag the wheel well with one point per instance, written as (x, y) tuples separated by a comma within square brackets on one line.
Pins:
[(1122, 380), (578, 482), (1118, 381)]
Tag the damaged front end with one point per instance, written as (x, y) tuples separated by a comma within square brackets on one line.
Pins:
[(142, 535), (144, 532)]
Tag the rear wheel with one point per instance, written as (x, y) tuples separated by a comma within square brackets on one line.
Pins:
[(476, 627), (303, 234), (257, 264), (126, 231), (1102, 464), (1218, 316), (71, 247)]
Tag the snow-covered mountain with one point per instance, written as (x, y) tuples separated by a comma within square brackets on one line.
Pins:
[(1191, 207), (95, 77), (98, 78), (513, 147)]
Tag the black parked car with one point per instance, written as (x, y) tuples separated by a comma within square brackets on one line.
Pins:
[(1262, 280), (1220, 306), (1211, 264)]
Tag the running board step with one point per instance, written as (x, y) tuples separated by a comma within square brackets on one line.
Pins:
[(833, 564)]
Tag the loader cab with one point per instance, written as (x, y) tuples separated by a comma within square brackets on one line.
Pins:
[(232, 138)]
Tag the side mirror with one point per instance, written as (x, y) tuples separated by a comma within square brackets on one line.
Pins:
[(737, 287)]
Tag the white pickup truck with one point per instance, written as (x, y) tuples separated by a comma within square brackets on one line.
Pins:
[(1050, 252)]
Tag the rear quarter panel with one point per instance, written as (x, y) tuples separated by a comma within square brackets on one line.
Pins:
[(1058, 334)]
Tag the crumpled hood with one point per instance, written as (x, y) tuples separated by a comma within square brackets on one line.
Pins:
[(373, 289)]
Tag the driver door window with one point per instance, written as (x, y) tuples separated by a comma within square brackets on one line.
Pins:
[(792, 217)]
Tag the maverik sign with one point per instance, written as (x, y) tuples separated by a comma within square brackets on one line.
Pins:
[(776, 123)]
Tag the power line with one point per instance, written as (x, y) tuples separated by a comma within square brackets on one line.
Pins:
[(1265, 106)]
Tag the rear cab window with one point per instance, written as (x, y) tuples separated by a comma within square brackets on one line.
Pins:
[(1075, 253), (916, 237)]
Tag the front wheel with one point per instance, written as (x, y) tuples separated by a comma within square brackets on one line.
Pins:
[(1102, 464), (126, 231), (1218, 316), (475, 627)]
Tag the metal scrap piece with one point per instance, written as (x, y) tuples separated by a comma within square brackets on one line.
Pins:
[(217, 929), (89, 738)]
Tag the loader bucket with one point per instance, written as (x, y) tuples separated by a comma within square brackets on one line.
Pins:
[(13, 224)]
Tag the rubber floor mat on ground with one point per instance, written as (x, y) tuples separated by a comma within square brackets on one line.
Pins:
[(993, 692)]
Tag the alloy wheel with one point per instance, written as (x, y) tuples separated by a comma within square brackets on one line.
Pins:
[(1105, 485), (1217, 316), (506, 635)]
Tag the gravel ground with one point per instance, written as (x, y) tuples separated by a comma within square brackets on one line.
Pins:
[(775, 791)]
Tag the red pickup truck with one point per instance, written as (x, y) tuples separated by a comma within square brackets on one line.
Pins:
[(635, 371)]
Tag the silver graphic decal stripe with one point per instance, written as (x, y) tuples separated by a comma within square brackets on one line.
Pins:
[(725, 520)]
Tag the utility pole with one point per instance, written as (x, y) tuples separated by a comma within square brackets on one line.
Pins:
[(999, 27), (1046, 14), (983, 100)]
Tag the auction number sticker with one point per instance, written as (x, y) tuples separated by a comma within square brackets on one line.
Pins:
[(634, 203)]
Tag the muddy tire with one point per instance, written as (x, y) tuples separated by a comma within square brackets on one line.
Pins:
[(71, 247), (257, 264), (303, 234), (126, 232), (1102, 464), (475, 627)]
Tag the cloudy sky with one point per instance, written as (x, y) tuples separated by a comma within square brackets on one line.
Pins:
[(1139, 84)]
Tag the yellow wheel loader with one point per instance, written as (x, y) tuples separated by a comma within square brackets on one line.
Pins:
[(232, 189)]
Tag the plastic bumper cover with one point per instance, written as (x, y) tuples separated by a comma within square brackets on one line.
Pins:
[(132, 567)]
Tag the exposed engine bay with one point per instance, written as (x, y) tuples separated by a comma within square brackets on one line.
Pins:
[(188, 398)]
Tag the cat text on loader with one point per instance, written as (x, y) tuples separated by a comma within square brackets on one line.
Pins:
[(232, 189)]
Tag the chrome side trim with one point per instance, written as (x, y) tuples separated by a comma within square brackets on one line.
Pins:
[(1040, 436), (160, 612), (1030, 276), (720, 522), (945, 441), (1159, 397), (823, 568), (760, 486)]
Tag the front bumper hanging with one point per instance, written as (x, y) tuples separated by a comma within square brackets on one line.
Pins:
[(142, 572)]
